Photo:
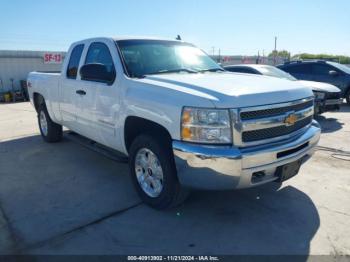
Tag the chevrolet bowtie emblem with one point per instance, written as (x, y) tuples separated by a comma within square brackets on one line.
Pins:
[(290, 119)]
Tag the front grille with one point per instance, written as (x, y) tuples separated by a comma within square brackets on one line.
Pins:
[(261, 134), (335, 95), (275, 111)]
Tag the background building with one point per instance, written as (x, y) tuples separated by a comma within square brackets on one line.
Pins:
[(15, 66), (233, 60)]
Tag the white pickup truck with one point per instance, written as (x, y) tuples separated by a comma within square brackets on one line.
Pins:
[(180, 118)]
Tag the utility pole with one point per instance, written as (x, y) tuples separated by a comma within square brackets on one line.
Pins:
[(275, 53), (213, 50), (263, 59), (275, 43), (219, 55)]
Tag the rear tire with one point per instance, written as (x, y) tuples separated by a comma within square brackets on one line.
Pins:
[(167, 191), (50, 131)]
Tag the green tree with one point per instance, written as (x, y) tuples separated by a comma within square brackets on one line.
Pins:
[(336, 58), (283, 53)]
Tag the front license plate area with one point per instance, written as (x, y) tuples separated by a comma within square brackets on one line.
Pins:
[(287, 171)]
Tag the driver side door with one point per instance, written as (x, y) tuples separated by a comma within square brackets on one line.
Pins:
[(97, 106)]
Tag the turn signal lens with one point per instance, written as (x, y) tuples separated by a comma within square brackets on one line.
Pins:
[(186, 133)]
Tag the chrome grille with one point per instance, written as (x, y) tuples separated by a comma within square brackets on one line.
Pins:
[(333, 95), (275, 111), (267, 133), (264, 124)]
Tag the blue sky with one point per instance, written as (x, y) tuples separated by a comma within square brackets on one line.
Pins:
[(236, 27)]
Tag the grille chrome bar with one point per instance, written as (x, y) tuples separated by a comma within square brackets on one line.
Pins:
[(275, 109), (266, 133), (275, 121), (271, 123)]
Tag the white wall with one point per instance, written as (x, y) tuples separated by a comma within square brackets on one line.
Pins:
[(18, 66)]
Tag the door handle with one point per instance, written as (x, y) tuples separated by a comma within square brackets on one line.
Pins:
[(80, 92)]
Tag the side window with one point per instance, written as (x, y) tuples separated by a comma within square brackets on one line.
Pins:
[(99, 53), (319, 69), (298, 69), (73, 64)]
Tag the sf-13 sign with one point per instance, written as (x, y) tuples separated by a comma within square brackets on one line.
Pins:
[(53, 58)]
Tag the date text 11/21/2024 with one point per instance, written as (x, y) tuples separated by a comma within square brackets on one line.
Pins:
[(173, 258)]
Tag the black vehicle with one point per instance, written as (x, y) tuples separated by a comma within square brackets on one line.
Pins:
[(321, 71), (327, 96)]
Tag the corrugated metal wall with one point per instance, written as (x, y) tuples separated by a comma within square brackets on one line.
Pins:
[(17, 65)]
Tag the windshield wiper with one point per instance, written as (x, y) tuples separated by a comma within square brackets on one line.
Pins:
[(173, 71), (218, 69)]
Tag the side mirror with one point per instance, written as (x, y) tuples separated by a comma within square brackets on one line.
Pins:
[(333, 73), (97, 72)]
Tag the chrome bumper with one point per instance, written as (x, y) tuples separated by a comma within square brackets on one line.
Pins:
[(227, 167)]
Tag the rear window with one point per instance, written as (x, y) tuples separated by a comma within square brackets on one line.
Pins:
[(275, 72), (73, 65), (341, 67)]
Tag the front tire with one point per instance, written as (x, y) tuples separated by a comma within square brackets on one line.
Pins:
[(317, 110), (153, 172), (50, 131), (347, 96)]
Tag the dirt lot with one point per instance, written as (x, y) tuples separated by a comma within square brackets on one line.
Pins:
[(66, 199)]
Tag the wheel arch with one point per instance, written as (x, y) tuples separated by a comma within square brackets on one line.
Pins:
[(135, 126)]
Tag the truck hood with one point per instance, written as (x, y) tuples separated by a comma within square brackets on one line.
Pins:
[(230, 90), (319, 86)]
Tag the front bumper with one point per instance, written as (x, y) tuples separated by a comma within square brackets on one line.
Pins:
[(328, 104), (227, 167), (337, 101)]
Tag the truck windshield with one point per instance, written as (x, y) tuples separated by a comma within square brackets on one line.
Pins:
[(145, 57)]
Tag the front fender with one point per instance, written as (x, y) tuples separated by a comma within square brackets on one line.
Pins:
[(157, 104)]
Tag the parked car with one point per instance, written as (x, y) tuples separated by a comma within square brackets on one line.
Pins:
[(321, 71), (180, 118), (327, 96)]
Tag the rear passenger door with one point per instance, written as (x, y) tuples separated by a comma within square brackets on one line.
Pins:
[(300, 71)]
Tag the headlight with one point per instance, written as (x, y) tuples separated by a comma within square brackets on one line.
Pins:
[(319, 95), (203, 125)]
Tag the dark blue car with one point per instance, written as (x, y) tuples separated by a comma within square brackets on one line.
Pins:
[(321, 71)]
